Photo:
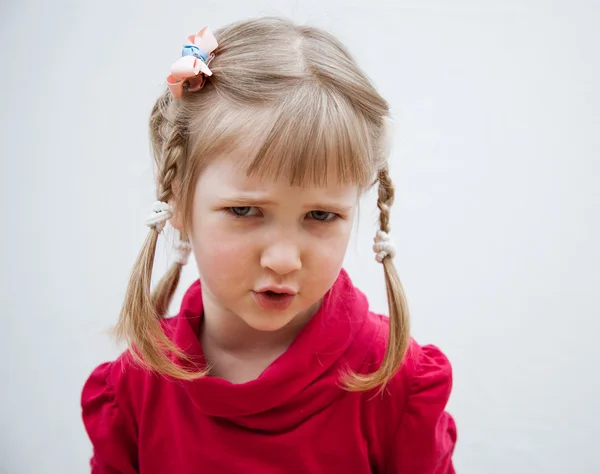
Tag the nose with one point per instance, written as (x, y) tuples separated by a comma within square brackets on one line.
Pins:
[(281, 257)]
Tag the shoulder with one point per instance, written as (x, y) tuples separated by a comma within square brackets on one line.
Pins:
[(113, 388), (423, 382), (108, 418), (111, 400), (407, 421), (105, 398), (421, 364), (428, 374), (109, 380), (125, 371)]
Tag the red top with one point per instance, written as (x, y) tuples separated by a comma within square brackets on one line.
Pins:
[(294, 418)]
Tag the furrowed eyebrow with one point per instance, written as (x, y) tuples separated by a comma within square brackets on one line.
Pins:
[(247, 201), (329, 207), (243, 201)]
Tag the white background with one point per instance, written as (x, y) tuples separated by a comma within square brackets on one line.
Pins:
[(496, 161)]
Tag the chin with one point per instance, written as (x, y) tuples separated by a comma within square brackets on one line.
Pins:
[(266, 322)]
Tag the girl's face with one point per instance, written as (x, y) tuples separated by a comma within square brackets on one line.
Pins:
[(251, 235)]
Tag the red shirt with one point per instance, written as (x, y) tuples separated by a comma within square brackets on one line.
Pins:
[(294, 418)]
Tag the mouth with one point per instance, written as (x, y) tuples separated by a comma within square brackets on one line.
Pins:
[(277, 290), (271, 299)]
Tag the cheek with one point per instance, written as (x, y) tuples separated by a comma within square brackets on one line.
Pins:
[(328, 252), (326, 256), (222, 256)]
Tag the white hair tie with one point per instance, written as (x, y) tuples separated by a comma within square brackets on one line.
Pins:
[(161, 213), (383, 246), (183, 252)]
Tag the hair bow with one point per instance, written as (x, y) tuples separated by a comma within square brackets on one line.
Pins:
[(192, 67)]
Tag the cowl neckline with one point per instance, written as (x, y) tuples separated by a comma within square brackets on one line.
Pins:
[(300, 382)]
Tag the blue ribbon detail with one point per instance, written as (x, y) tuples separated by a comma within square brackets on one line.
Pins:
[(192, 50)]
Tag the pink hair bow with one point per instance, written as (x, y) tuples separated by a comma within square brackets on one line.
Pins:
[(192, 67)]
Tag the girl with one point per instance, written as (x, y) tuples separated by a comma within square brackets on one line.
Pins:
[(264, 141)]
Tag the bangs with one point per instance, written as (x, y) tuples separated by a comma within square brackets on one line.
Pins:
[(313, 137)]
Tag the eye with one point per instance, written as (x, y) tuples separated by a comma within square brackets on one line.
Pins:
[(243, 211), (322, 215)]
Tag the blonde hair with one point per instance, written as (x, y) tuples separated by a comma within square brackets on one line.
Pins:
[(297, 90)]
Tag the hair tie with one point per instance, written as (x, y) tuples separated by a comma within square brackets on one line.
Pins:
[(383, 246), (192, 67), (161, 213), (184, 249)]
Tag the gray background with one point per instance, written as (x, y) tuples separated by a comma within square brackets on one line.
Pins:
[(496, 161)]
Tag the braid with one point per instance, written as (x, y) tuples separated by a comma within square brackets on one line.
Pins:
[(140, 320), (385, 200), (399, 332), (159, 125), (172, 154)]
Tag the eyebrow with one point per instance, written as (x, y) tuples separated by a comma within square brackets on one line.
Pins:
[(245, 201)]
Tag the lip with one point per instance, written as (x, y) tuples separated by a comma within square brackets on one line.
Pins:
[(277, 289), (274, 298)]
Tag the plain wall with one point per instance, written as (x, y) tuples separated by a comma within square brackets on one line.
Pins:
[(496, 163)]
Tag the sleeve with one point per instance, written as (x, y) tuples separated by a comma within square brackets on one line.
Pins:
[(426, 436), (112, 432)]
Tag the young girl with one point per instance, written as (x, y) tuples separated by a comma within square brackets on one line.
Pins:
[(264, 141)]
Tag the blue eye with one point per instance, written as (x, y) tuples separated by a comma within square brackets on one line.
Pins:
[(241, 211), (322, 215)]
